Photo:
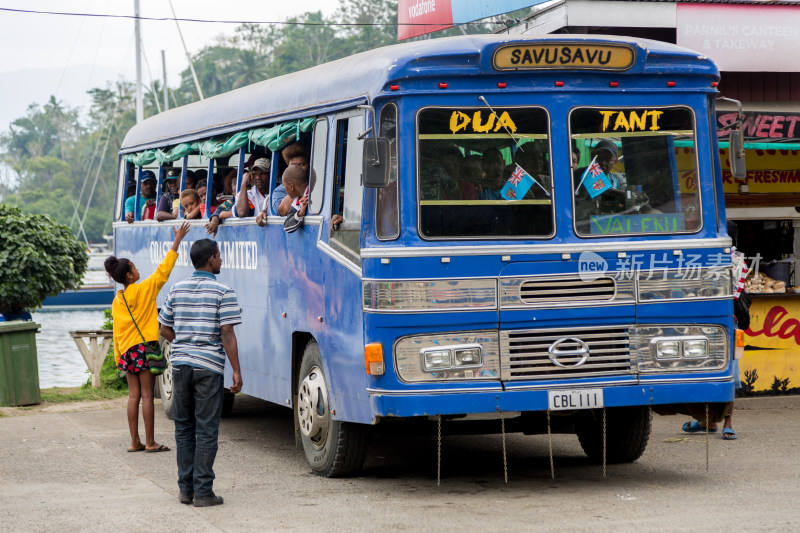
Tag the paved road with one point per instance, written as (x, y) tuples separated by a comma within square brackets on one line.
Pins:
[(69, 471)]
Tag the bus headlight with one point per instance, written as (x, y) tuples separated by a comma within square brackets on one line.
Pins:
[(468, 356), (681, 348), (436, 359), (454, 356), (667, 348)]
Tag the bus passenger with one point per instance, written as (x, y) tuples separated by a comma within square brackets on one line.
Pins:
[(294, 154), (492, 165), (191, 179), (223, 211), (532, 161), (229, 182), (255, 188), (607, 156), (147, 197), (190, 201), (439, 167), (469, 178), (201, 192), (169, 202), (295, 179)]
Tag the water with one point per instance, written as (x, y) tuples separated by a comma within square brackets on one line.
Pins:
[(60, 361)]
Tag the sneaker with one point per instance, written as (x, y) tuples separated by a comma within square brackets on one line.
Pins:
[(186, 497), (209, 501)]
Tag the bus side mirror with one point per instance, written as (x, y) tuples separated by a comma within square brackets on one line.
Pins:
[(375, 165), (736, 155)]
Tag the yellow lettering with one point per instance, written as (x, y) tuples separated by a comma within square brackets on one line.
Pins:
[(505, 120), (637, 122), (458, 121), (621, 122), (606, 117), (655, 115), (482, 128)]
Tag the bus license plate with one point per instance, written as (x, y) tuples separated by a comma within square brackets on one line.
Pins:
[(567, 400)]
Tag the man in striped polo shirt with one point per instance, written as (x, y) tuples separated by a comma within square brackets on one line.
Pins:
[(198, 318)]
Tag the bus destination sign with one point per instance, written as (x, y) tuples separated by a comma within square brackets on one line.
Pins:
[(543, 56)]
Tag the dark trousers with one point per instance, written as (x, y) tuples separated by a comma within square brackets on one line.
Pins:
[(197, 409)]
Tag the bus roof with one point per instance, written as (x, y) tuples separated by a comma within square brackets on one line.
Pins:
[(363, 76)]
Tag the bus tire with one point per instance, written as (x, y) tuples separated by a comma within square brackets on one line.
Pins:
[(627, 433), (164, 381), (332, 448)]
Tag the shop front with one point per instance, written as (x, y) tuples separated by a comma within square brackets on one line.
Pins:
[(766, 210)]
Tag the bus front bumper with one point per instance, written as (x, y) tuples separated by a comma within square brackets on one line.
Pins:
[(431, 402)]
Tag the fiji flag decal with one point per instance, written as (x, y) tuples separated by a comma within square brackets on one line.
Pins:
[(517, 185), (595, 180)]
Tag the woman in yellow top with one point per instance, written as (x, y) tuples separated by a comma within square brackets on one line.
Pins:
[(130, 346)]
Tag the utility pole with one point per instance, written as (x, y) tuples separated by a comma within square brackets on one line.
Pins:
[(138, 38), (166, 90)]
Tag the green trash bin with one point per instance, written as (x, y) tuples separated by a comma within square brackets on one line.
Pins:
[(19, 365)]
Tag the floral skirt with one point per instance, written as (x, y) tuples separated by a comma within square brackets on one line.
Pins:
[(135, 359)]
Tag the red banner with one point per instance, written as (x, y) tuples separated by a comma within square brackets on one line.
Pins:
[(418, 17)]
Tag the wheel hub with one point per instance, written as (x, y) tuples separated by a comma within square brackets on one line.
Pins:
[(312, 408), (166, 376)]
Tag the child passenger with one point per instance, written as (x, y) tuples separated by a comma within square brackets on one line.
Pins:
[(295, 179), (190, 201)]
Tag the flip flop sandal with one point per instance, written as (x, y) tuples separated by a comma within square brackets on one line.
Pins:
[(132, 450), (695, 427), (728, 434), (161, 448)]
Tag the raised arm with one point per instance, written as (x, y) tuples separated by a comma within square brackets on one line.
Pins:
[(242, 203)]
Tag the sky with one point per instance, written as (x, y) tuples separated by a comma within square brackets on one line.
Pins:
[(65, 56)]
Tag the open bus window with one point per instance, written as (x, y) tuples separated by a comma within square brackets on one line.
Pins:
[(484, 173), (387, 209), (347, 192), (316, 177), (637, 171)]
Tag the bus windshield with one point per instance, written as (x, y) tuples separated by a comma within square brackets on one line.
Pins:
[(635, 171), (484, 173)]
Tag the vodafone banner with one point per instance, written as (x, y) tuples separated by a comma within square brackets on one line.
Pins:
[(418, 17)]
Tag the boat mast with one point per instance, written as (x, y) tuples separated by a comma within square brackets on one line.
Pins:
[(138, 38)]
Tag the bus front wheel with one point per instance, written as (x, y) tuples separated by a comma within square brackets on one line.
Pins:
[(332, 448), (627, 430)]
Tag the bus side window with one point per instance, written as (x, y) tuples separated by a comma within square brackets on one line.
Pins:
[(387, 209), (347, 192), (316, 178), (124, 190)]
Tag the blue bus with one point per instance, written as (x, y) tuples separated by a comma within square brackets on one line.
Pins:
[(522, 227)]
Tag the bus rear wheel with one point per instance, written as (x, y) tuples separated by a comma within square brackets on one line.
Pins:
[(332, 448), (627, 432), (164, 381)]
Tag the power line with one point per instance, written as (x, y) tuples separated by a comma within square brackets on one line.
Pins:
[(287, 23)]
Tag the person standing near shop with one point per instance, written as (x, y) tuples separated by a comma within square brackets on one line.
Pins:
[(741, 315), (198, 317)]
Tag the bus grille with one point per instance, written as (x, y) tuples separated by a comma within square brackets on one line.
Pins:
[(552, 291), (525, 356)]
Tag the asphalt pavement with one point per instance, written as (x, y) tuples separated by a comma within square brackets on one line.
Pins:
[(65, 470)]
